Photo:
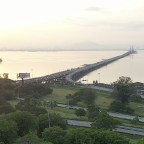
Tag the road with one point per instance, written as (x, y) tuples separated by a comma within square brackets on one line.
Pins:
[(124, 116), (129, 130), (79, 123), (117, 115), (121, 129), (101, 88), (70, 107)]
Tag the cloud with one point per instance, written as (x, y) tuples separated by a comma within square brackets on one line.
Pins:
[(93, 9)]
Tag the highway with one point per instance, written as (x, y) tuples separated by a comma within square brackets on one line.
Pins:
[(124, 116), (101, 88), (121, 129), (129, 130), (79, 123), (117, 115)]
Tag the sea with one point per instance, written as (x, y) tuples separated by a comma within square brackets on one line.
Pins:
[(41, 63)]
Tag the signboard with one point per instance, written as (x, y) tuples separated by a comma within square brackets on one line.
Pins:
[(23, 75)]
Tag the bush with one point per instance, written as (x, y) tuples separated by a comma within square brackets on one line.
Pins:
[(54, 135), (5, 107), (30, 105), (93, 136), (30, 138), (34, 90), (117, 106), (104, 121), (8, 131), (93, 111), (80, 112), (86, 95)]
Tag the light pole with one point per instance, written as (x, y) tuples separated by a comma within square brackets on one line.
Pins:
[(45, 104), (99, 77), (48, 118), (18, 94), (32, 72), (87, 82)]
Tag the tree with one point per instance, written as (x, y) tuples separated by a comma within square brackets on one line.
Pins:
[(34, 90), (80, 112), (104, 121), (5, 107), (8, 131), (88, 96), (5, 75), (135, 120), (30, 138), (93, 111), (141, 141), (25, 121), (55, 120), (7, 88), (31, 105), (93, 136), (54, 135), (69, 98), (7, 84), (118, 106), (123, 89)]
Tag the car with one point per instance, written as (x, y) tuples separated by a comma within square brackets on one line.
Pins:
[(69, 107)]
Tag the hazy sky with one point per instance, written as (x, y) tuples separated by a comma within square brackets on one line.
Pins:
[(50, 24)]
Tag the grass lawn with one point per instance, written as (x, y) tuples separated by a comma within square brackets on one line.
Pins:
[(59, 94), (103, 99), (13, 102), (138, 108), (68, 113)]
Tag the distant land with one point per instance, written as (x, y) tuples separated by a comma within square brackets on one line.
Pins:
[(82, 46)]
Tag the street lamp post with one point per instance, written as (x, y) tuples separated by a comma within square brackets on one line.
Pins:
[(44, 104), (48, 118), (32, 73), (87, 81), (99, 77)]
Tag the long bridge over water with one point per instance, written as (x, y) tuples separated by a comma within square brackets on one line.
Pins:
[(71, 76)]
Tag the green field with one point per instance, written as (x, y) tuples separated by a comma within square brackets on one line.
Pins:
[(59, 94), (67, 113), (138, 108), (103, 99), (14, 102)]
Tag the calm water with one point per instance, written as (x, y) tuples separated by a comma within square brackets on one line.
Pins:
[(44, 63), (132, 66)]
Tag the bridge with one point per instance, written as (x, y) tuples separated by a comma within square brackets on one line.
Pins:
[(72, 75), (80, 72)]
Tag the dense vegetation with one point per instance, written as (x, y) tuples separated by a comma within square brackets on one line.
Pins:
[(37, 120)]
